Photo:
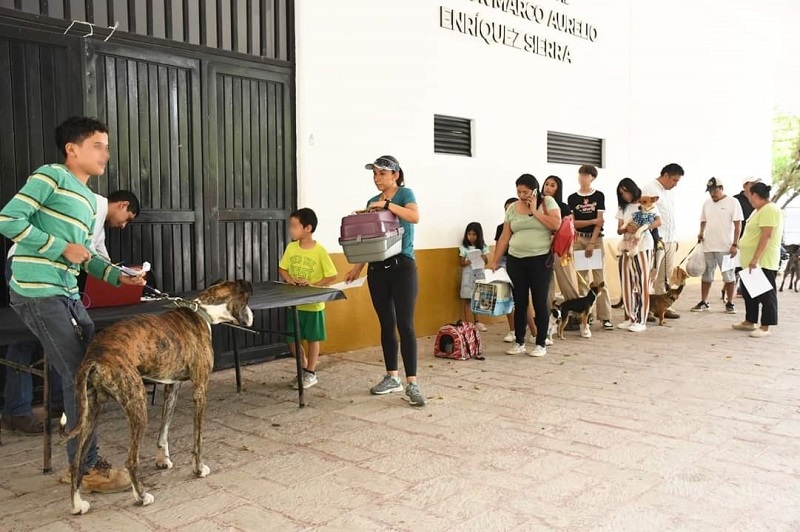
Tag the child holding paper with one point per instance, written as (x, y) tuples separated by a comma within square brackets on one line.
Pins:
[(474, 255), (305, 262)]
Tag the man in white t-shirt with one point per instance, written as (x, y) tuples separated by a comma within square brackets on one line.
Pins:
[(720, 227), (662, 187), (120, 208)]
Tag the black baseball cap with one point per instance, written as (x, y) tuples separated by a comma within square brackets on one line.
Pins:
[(713, 183)]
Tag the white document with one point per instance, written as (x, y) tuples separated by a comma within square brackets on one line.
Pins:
[(584, 263), (133, 273), (755, 281), (500, 276), (729, 263), (475, 258), (344, 285)]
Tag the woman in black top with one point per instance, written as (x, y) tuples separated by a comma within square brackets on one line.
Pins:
[(564, 274)]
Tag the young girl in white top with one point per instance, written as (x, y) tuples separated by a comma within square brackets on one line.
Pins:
[(473, 240), (634, 270)]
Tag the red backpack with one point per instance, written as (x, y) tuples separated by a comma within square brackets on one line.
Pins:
[(459, 341), (564, 237)]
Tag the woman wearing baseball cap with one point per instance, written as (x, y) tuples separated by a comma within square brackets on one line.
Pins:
[(393, 283)]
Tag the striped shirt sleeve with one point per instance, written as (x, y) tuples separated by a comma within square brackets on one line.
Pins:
[(15, 218)]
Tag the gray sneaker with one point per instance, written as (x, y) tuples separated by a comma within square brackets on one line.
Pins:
[(389, 384), (309, 380), (415, 395)]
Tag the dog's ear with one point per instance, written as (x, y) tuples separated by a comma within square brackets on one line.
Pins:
[(245, 286)]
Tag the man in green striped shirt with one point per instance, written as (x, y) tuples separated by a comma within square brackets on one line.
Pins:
[(51, 219)]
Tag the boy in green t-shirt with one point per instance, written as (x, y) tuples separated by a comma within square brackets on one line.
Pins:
[(305, 262)]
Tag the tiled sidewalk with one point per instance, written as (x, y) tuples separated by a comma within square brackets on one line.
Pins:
[(690, 427)]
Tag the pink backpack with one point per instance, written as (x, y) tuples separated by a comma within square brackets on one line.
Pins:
[(458, 341)]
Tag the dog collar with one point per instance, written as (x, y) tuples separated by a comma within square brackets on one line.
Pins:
[(195, 307)]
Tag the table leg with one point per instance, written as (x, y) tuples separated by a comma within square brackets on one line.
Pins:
[(298, 356), (237, 362), (48, 449)]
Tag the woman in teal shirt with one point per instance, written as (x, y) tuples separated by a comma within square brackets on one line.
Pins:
[(393, 283)]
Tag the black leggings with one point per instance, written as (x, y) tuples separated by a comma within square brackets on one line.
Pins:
[(531, 275), (393, 288)]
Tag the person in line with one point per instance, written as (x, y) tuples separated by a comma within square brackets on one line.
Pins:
[(528, 237), (473, 241), (760, 247), (393, 283)]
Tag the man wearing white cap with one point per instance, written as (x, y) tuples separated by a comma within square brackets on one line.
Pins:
[(720, 229)]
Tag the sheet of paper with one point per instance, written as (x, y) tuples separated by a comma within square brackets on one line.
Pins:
[(500, 276), (755, 281), (475, 259), (583, 263), (729, 263), (344, 285)]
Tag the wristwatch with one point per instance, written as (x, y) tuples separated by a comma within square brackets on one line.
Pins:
[(386, 205)]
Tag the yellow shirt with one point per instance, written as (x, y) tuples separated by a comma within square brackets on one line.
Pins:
[(312, 265), (767, 216)]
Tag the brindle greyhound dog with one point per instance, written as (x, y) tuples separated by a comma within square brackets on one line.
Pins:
[(168, 348)]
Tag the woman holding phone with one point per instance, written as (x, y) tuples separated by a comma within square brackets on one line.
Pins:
[(528, 236)]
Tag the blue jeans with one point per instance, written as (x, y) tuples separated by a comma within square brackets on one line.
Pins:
[(50, 319), (18, 392)]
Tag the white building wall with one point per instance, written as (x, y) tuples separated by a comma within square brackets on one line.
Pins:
[(665, 81)]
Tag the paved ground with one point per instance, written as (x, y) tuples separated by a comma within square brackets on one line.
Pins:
[(693, 427)]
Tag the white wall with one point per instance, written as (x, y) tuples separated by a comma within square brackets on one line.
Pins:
[(670, 82)]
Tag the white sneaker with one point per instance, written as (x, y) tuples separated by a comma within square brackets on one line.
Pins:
[(760, 333), (586, 333), (625, 324), (518, 349), (510, 337), (548, 342), (309, 380), (637, 327), (480, 326), (537, 351)]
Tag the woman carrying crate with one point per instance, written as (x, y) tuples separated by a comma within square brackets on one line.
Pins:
[(393, 282), (528, 237)]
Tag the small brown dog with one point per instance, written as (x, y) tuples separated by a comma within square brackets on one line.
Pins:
[(660, 303), (168, 348)]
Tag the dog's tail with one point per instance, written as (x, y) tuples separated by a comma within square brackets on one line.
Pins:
[(82, 398)]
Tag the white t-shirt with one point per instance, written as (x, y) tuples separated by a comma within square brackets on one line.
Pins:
[(666, 206), (646, 242), (99, 234), (719, 217)]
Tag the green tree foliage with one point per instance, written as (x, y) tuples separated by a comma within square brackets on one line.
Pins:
[(786, 157)]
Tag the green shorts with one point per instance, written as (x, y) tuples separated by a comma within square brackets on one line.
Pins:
[(312, 325)]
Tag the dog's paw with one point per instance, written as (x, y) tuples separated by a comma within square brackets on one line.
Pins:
[(203, 471), (81, 508), (164, 463), (147, 499)]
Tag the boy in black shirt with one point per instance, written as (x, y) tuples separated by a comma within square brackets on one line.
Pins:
[(587, 207)]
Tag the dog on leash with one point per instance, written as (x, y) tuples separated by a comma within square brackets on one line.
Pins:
[(643, 219), (168, 348), (661, 303), (578, 307)]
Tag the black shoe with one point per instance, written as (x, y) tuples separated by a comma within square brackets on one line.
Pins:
[(27, 424)]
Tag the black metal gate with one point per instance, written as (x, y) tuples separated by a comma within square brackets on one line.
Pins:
[(204, 138)]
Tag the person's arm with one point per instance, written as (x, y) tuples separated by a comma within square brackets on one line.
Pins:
[(656, 223), (326, 281), (408, 212), (737, 228), (595, 235), (354, 272), (15, 222), (550, 217), (462, 256), (288, 279), (702, 231), (501, 247), (763, 241), (582, 224)]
